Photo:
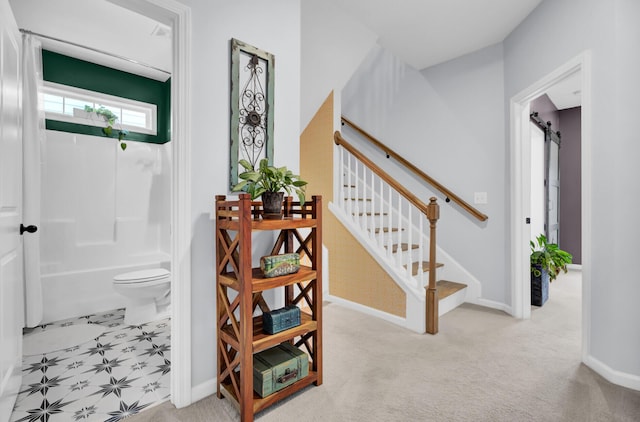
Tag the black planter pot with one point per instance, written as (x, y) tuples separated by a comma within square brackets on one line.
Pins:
[(272, 205), (539, 287)]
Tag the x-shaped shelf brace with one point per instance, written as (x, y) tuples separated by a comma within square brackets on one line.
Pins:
[(304, 247), (231, 356), (229, 251)]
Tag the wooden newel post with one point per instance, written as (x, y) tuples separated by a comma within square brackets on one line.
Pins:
[(433, 213)]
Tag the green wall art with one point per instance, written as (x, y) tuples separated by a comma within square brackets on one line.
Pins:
[(252, 76)]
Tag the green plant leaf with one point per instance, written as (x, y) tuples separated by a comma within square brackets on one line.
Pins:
[(268, 179), (123, 145), (250, 175), (245, 164), (549, 257), (240, 186)]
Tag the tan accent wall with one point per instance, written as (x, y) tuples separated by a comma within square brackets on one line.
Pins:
[(353, 274)]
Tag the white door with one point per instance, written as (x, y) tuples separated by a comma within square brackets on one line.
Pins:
[(11, 266), (538, 206), (553, 189)]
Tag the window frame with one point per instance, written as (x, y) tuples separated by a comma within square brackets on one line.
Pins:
[(99, 98)]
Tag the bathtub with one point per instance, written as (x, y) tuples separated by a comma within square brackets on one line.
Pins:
[(77, 293)]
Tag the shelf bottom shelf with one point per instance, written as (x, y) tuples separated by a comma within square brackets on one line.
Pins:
[(261, 403)]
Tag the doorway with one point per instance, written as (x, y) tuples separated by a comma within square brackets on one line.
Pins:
[(521, 187), (178, 17)]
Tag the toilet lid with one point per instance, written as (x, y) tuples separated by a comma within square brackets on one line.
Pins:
[(142, 276)]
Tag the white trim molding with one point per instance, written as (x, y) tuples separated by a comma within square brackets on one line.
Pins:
[(178, 16), (520, 188), (181, 203), (204, 389), (612, 375)]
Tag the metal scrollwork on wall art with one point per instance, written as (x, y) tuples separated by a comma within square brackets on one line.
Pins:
[(252, 78)]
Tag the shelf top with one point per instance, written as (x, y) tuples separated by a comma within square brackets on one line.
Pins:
[(230, 212)]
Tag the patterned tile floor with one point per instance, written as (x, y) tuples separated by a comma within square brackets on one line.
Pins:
[(120, 373)]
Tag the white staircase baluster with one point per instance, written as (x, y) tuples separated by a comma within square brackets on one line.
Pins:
[(351, 189), (365, 220), (410, 240), (420, 247), (372, 218), (398, 230), (342, 181), (356, 192), (389, 223), (380, 242)]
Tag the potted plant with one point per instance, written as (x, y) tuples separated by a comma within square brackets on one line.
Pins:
[(547, 260), (109, 118), (269, 182)]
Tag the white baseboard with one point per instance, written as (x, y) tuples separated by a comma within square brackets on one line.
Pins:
[(493, 305), (204, 389), (367, 310), (612, 375)]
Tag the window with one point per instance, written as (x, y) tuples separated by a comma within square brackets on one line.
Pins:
[(67, 104)]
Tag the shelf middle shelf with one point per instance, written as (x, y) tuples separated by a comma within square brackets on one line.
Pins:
[(262, 340), (260, 283)]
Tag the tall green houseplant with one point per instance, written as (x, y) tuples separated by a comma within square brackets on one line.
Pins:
[(547, 260)]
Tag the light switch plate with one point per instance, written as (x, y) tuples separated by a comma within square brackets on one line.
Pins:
[(480, 197)]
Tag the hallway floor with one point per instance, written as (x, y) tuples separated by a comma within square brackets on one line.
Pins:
[(120, 373)]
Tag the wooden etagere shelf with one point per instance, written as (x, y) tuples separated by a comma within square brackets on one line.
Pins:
[(239, 289)]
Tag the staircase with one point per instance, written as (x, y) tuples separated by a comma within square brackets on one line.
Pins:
[(395, 228)]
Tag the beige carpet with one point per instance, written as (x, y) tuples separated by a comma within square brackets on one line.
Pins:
[(482, 366)]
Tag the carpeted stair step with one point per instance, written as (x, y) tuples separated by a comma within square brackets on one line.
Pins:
[(376, 214)]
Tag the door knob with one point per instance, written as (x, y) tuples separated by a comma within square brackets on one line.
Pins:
[(30, 229)]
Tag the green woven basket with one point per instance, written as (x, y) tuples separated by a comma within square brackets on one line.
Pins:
[(277, 265)]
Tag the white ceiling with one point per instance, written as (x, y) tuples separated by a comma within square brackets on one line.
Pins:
[(427, 32), (102, 25), (421, 32), (567, 93)]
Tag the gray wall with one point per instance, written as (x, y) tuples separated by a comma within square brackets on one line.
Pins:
[(214, 24), (448, 120), (452, 125), (547, 111), (557, 31)]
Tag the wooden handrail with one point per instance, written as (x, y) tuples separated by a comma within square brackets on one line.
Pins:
[(339, 140), (437, 185), (432, 213)]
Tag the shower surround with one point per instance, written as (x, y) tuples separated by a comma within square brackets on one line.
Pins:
[(104, 211)]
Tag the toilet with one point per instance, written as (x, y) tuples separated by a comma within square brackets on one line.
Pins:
[(147, 294)]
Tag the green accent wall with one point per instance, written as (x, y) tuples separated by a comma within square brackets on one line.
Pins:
[(67, 70)]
